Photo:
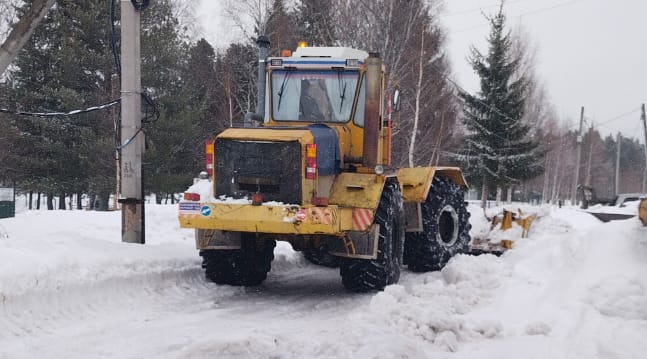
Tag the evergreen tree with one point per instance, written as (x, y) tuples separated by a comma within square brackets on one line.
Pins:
[(64, 66), (200, 87), (170, 160), (498, 150), (68, 65)]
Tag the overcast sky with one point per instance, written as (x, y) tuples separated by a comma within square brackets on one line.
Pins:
[(590, 53)]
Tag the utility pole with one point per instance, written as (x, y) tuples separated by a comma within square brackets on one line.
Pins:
[(619, 146), (587, 179), (642, 117), (577, 164), (132, 139), (114, 87)]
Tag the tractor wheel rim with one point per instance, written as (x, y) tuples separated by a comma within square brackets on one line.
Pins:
[(447, 233)]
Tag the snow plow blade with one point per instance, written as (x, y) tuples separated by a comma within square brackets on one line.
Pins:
[(504, 228)]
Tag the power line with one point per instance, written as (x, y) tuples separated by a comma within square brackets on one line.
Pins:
[(612, 119), (62, 114)]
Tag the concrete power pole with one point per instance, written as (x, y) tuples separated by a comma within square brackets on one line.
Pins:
[(619, 146), (114, 88), (132, 139), (642, 117), (577, 164)]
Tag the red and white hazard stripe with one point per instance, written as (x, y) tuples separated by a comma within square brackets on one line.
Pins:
[(362, 219)]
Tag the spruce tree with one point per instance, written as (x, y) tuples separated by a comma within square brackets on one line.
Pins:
[(498, 151), (64, 66)]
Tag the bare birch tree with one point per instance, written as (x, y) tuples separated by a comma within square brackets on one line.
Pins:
[(250, 16), (21, 32)]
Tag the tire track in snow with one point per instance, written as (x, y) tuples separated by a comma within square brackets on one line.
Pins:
[(42, 311)]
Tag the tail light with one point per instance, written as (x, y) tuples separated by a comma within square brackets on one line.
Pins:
[(311, 161), (209, 157), (192, 196)]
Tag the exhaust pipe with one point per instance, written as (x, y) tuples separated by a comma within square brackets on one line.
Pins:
[(263, 43), (372, 112)]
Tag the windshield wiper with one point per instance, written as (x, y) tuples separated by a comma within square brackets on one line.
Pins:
[(342, 94), (342, 97), (285, 80)]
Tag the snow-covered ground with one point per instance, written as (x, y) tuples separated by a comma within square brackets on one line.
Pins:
[(577, 288)]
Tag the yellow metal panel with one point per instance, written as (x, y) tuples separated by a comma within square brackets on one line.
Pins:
[(453, 173), (357, 190), (416, 181), (267, 134), (284, 219)]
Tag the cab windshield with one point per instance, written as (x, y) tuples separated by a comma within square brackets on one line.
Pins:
[(313, 96)]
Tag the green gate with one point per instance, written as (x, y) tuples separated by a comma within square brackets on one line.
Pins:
[(7, 202)]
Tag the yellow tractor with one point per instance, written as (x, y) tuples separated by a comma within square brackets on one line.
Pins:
[(313, 167)]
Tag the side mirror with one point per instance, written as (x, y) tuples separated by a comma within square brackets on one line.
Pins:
[(396, 100)]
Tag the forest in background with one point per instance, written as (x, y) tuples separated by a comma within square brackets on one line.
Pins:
[(197, 91)]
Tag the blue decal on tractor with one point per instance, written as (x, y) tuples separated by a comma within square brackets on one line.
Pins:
[(206, 210)]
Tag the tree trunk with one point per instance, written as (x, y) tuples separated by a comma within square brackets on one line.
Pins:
[(555, 193), (416, 114), (79, 205), (498, 195), (484, 194), (61, 201), (544, 190), (31, 198), (38, 201), (22, 31), (50, 202), (102, 202), (435, 154), (509, 199)]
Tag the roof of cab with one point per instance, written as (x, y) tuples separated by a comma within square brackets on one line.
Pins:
[(333, 52)]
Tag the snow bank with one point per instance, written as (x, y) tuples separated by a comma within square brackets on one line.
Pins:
[(575, 288), (46, 250)]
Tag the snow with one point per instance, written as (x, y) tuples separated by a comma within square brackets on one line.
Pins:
[(576, 288), (630, 207), (204, 188)]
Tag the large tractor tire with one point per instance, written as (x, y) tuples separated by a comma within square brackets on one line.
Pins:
[(445, 231), (362, 275), (247, 266)]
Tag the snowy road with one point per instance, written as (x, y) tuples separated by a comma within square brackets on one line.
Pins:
[(70, 289)]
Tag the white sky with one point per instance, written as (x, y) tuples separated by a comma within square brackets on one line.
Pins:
[(589, 53)]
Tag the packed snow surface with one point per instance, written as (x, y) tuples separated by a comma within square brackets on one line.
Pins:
[(576, 288)]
